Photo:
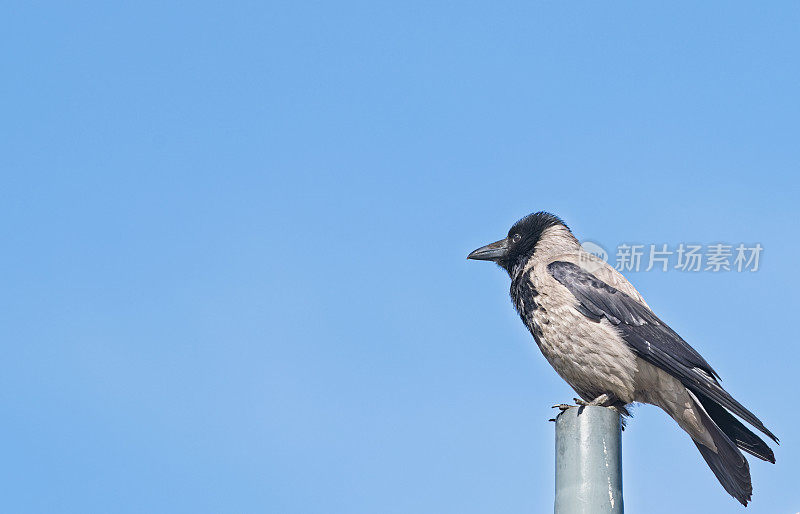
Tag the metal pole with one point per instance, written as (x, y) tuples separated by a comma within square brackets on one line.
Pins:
[(588, 461)]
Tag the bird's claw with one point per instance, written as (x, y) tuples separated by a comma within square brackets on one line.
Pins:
[(604, 400), (562, 406)]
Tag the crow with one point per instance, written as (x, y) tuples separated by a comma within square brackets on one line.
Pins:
[(600, 336)]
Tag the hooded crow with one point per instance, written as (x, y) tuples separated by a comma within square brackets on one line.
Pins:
[(600, 336)]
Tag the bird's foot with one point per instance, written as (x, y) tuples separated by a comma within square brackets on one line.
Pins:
[(604, 400), (562, 407)]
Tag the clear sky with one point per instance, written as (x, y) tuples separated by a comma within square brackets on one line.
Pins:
[(234, 240)]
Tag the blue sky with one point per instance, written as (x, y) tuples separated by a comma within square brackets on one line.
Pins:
[(234, 274)]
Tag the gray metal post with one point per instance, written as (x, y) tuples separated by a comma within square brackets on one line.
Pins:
[(588, 461)]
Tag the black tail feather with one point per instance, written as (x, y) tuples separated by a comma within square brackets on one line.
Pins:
[(736, 431), (727, 463)]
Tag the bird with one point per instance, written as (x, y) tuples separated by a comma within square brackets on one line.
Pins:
[(601, 337)]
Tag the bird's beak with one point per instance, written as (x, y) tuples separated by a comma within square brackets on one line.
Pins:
[(492, 252)]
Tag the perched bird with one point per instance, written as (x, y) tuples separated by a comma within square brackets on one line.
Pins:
[(600, 336)]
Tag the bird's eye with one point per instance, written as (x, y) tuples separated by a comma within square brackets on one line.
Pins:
[(516, 238)]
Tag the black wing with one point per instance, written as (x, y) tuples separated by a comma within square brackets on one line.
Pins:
[(648, 336)]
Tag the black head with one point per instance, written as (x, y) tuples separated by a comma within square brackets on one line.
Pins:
[(520, 243)]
